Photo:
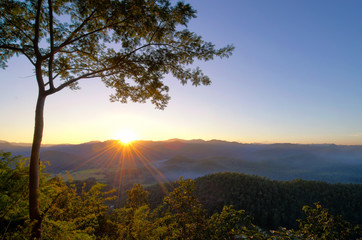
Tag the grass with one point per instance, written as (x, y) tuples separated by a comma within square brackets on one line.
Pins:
[(80, 175)]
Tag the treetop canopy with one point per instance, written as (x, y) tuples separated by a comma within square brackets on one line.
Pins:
[(130, 44)]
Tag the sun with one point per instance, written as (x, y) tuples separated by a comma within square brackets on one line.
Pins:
[(126, 136)]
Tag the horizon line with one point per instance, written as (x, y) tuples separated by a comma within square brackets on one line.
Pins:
[(179, 139)]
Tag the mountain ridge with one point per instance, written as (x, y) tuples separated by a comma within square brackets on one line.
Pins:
[(195, 158)]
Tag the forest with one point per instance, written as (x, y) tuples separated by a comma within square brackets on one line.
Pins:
[(216, 206)]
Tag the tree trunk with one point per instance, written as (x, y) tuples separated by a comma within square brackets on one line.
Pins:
[(34, 212)]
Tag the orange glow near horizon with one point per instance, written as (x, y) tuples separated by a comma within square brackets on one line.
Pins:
[(126, 136)]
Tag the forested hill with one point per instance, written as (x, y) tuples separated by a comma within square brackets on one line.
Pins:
[(273, 203), (91, 211)]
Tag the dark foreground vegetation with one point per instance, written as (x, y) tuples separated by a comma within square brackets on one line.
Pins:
[(207, 208), (272, 203)]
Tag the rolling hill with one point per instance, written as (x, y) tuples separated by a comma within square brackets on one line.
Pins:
[(174, 158)]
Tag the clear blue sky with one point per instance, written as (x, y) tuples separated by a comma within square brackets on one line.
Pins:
[(295, 76)]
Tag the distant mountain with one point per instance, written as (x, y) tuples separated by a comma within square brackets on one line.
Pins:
[(176, 157), (56, 161), (15, 148)]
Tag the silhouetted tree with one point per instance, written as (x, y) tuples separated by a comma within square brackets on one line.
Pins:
[(129, 44)]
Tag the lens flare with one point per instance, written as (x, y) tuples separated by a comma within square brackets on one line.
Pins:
[(125, 162)]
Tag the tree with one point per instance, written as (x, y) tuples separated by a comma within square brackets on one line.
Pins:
[(228, 223), (130, 44), (184, 212), (75, 215), (134, 220), (13, 190), (136, 197), (320, 224)]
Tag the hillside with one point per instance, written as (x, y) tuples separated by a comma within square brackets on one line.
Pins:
[(272, 203), (195, 158)]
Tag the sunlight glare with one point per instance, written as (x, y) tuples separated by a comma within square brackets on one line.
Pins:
[(126, 136)]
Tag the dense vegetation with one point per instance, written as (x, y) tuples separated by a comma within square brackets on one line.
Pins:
[(277, 203), (88, 213)]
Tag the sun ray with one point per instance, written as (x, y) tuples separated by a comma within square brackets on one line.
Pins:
[(158, 175), (94, 156), (124, 160)]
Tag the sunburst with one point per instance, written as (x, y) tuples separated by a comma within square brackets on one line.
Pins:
[(126, 136)]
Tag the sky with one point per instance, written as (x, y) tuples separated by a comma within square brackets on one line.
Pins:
[(295, 77)]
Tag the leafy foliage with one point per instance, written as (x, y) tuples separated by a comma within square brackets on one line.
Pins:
[(136, 197), (85, 213), (320, 224), (184, 211), (13, 190), (276, 203), (67, 214), (228, 224), (131, 45), (78, 213)]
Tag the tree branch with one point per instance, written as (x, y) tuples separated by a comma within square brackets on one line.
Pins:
[(74, 51), (97, 73), (154, 33), (82, 36), (70, 41), (52, 204), (72, 34), (56, 75), (37, 30), (17, 49), (29, 58), (152, 44), (51, 58), (9, 47), (38, 56), (19, 28), (87, 75)]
